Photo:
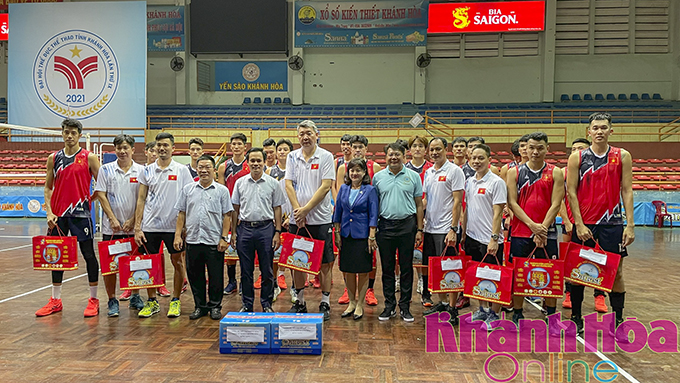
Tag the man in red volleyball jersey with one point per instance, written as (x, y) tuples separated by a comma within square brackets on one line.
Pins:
[(598, 178), (67, 201)]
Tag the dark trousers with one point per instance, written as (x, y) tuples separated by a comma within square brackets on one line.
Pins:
[(198, 257), (248, 241), (396, 235)]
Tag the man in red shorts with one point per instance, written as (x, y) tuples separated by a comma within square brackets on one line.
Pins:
[(598, 179), (67, 201)]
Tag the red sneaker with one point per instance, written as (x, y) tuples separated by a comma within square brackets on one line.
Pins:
[(344, 299), (316, 282), (281, 280), (185, 286), (600, 305), (52, 306), (462, 302), (566, 303), (370, 298), (162, 291), (258, 283), (125, 296), (92, 308)]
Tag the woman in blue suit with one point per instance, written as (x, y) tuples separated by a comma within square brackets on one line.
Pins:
[(356, 219)]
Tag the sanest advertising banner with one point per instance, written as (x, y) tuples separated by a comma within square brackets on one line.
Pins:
[(4, 27), (360, 23), (510, 16)]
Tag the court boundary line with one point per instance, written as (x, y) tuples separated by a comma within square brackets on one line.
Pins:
[(597, 352), (16, 248), (40, 289)]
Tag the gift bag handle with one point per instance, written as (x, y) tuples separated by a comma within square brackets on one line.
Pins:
[(495, 256), (446, 247), (61, 233), (307, 230)]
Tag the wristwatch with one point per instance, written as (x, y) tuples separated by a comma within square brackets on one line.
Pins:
[(277, 231), (454, 229), (225, 238), (495, 237)]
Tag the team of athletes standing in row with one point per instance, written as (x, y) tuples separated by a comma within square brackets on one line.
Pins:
[(440, 204)]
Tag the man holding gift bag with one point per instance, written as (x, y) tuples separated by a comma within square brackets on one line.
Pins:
[(204, 208), (257, 201), (598, 178), (535, 193), (443, 188), (116, 190), (309, 176), (67, 201), (485, 197)]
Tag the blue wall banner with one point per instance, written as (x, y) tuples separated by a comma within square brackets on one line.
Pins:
[(244, 76), (22, 206), (361, 23), (80, 60), (165, 28)]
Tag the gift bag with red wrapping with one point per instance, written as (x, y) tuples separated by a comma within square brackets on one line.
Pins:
[(55, 253), (111, 251), (538, 277), (591, 267), (447, 273), (487, 282), (301, 253), (141, 271)]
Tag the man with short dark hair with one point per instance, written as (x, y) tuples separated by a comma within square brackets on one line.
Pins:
[(517, 160), (150, 153), (346, 149), (204, 210), (471, 144), (599, 178), (257, 201), (443, 189), (161, 184), (116, 189), (485, 196), (269, 148), (417, 146), (535, 193), (227, 174), (67, 202), (195, 152), (309, 177), (400, 227)]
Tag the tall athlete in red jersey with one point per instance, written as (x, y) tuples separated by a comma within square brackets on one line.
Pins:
[(535, 194), (67, 201), (227, 174), (598, 179)]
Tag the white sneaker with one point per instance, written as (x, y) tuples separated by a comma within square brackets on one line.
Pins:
[(277, 291), (419, 289), (396, 284), (293, 295)]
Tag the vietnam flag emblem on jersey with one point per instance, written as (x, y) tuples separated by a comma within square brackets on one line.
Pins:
[(315, 166), (442, 178), (133, 180), (614, 161), (172, 177), (481, 191)]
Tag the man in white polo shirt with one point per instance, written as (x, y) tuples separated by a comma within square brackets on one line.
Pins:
[(204, 208), (160, 186), (485, 197), (443, 187), (309, 176), (257, 202), (116, 189)]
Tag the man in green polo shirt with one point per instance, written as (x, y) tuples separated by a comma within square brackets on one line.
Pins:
[(400, 227)]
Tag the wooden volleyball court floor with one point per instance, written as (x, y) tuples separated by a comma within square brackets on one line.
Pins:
[(65, 347)]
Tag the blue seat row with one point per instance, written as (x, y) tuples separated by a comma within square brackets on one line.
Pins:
[(611, 97)]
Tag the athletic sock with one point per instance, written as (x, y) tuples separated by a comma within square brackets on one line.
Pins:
[(93, 292), (174, 299), (371, 282), (153, 299), (56, 292), (326, 297), (550, 310), (231, 273), (280, 273), (518, 312), (617, 301)]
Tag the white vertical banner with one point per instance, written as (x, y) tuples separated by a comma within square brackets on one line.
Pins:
[(79, 60)]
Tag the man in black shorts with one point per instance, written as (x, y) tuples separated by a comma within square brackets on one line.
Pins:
[(598, 179), (535, 193), (120, 181), (67, 201)]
